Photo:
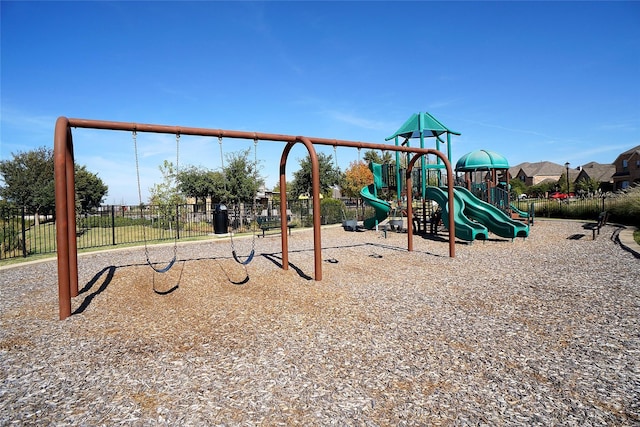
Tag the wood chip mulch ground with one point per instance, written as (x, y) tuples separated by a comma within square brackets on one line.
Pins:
[(536, 331)]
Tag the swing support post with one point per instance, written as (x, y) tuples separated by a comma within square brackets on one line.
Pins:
[(65, 189), (315, 193)]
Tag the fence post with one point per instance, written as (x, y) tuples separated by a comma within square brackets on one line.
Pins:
[(24, 235), (532, 212), (113, 224)]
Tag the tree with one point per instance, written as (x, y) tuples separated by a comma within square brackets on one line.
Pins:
[(29, 182), (587, 185), (166, 192), (356, 177), (202, 183), (373, 156), (276, 191), (517, 187), (28, 179), (329, 176), (242, 179), (90, 189), (542, 188)]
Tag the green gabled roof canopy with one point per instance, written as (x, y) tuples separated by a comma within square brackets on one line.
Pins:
[(481, 160), (421, 124)]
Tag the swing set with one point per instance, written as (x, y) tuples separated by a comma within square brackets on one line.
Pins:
[(64, 176)]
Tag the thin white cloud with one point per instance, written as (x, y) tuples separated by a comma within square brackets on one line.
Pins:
[(361, 122), (624, 125), (493, 126), (31, 122), (443, 103), (613, 151)]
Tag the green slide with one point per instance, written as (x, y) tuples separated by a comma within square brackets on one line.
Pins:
[(368, 193), (520, 213), (381, 207), (466, 229), (490, 216)]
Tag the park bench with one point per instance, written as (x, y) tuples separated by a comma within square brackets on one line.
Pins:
[(272, 223), (602, 221)]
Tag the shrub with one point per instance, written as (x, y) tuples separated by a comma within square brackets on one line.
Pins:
[(626, 209), (331, 211)]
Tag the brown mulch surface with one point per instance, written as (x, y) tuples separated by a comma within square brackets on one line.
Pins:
[(542, 331)]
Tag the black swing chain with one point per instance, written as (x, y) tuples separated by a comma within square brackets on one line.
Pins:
[(237, 208), (144, 231)]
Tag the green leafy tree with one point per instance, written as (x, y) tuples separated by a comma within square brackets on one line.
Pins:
[(242, 178), (28, 179), (201, 183), (541, 189), (562, 184), (276, 191), (517, 187), (587, 185), (329, 176), (90, 189), (166, 196), (374, 156)]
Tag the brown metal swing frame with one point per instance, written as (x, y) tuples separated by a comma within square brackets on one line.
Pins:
[(65, 189)]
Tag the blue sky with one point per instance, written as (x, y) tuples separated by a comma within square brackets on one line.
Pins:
[(534, 81)]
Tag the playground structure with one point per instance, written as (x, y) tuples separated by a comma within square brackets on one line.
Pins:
[(64, 176), (493, 188), (419, 125), (488, 201), (473, 217)]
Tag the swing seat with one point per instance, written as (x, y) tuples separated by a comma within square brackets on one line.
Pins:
[(163, 269), (246, 261)]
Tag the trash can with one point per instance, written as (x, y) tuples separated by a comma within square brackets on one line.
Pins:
[(220, 219)]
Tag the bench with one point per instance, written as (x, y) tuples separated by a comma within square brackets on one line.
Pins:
[(602, 221), (268, 223)]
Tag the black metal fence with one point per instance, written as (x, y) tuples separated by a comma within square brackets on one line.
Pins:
[(23, 233)]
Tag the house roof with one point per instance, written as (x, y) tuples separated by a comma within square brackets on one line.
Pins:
[(540, 169), (629, 153), (598, 171)]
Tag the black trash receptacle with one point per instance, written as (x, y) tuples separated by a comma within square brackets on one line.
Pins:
[(220, 219)]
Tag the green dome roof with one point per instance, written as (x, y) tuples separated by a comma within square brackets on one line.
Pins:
[(481, 160)]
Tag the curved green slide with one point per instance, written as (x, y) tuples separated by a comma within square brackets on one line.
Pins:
[(466, 229), (520, 213), (368, 193), (490, 216)]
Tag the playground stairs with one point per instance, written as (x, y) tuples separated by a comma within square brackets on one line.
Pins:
[(422, 215)]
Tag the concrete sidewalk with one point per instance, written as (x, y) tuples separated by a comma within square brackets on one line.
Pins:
[(625, 238)]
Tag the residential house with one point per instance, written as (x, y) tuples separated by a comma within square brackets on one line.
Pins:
[(627, 169), (603, 173), (535, 173)]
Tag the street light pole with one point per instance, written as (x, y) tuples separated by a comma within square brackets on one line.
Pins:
[(566, 165)]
